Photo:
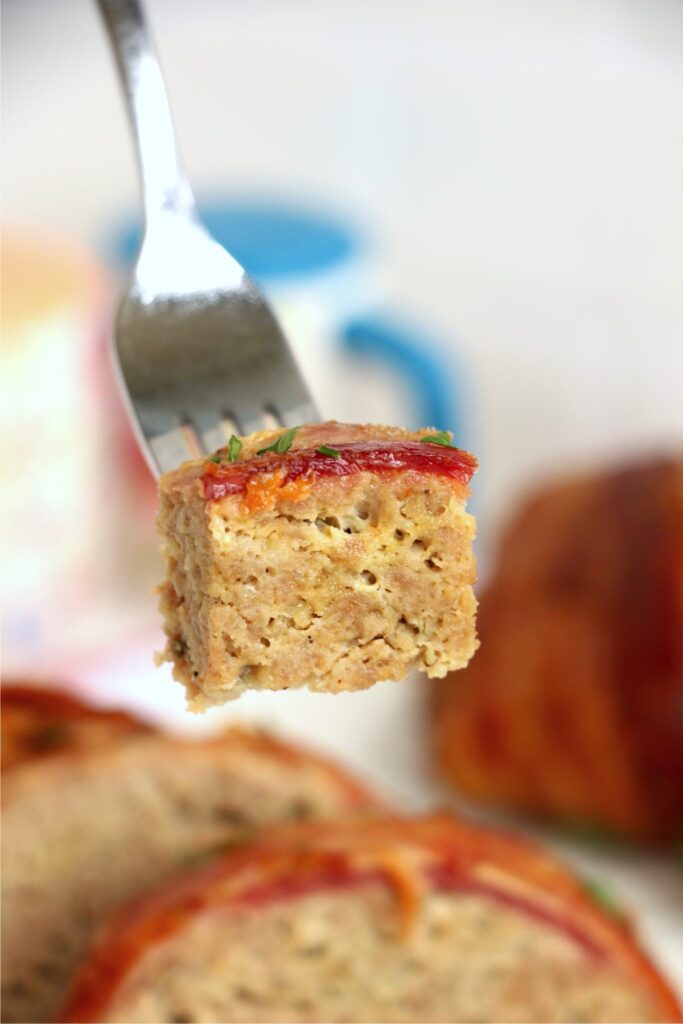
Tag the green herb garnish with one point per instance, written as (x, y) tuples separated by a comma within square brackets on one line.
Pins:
[(441, 438), (678, 851), (325, 450), (603, 897), (232, 450), (283, 443), (234, 447), (52, 734), (591, 832)]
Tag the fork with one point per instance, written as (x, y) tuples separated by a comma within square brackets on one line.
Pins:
[(200, 353)]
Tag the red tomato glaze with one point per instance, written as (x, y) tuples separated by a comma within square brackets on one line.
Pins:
[(142, 929), (223, 479)]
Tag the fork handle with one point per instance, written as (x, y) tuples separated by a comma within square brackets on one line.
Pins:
[(164, 185)]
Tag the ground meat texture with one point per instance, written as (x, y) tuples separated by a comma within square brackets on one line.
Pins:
[(301, 568)]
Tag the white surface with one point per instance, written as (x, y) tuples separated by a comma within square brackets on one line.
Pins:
[(519, 163)]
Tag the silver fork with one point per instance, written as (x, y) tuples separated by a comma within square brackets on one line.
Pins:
[(200, 352)]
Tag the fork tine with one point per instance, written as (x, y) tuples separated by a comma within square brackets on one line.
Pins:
[(231, 424), (215, 437), (168, 451), (306, 412), (271, 418)]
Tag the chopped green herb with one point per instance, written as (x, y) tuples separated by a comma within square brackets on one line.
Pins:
[(678, 850), (325, 450), (440, 438), (589, 831), (231, 450), (234, 447), (283, 443), (52, 734), (603, 897)]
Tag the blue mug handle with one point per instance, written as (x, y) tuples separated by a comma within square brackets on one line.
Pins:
[(426, 367)]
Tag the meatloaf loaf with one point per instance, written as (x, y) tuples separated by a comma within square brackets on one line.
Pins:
[(39, 721), (573, 708), (88, 828), (399, 920)]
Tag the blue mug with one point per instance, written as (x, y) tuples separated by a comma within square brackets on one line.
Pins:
[(362, 364)]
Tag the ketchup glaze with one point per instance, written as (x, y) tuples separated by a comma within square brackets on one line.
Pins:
[(223, 479)]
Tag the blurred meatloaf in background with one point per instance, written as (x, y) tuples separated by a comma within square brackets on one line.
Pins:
[(573, 707), (96, 823), (38, 722), (387, 920)]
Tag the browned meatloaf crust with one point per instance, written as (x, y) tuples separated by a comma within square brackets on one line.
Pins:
[(341, 561), (398, 920), (38, 721), (86, 829), (573, 707)]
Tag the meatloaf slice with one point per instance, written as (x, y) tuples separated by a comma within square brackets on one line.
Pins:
[(84, 831), (332, 556), (400, 920)]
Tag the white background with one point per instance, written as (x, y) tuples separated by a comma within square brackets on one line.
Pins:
[(517, 165)]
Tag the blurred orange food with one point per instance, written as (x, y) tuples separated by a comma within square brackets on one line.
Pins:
[(573, 707), (43, 276), (76, 537), (385, 907), (36, 722)]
